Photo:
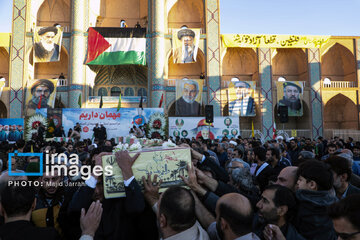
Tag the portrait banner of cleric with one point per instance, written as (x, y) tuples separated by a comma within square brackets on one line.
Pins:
[(189, 97), (40, 93), (241, 98), (185, 45), (290, 94), (47, 44)]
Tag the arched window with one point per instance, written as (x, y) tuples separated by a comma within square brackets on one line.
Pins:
[(102, 92), (142, 92), (129, 91), (115, 91)]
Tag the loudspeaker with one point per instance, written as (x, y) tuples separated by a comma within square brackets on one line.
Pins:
[(209, 113), (283, 112)]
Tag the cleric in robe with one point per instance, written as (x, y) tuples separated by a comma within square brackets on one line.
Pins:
[(46, 50), (186, 52), (187, 105), (40, 91), (244, 104), (291, 99)]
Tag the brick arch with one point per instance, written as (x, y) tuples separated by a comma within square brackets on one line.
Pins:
[(186, 12), (338, 64), (340, 112), (54, 11), (290, 63)]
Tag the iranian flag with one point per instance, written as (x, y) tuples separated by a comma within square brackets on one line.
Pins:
[(116, 46)]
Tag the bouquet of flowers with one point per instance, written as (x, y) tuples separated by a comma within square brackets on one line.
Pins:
[(168, 144)]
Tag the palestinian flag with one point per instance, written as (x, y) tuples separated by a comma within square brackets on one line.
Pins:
[(116, 46)]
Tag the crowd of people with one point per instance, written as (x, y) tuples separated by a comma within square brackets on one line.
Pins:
[(238, 188)]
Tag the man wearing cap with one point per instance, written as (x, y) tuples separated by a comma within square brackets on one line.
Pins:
[(41, 91), (185, 53), (187, 104), (244, 105), (291, 99), (47, 50)]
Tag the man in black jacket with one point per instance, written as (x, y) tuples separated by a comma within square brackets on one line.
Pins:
[(263, 170), (314, 184), (17, 203), (341, 169)]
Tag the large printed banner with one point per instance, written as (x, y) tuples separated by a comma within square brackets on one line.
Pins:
[(290, 94), (47, 44), (117, 123), (185, 43), (11, 129), (241, 98), (40, 93), (188, 97), (273, 41), (188, 127), (169, 164)]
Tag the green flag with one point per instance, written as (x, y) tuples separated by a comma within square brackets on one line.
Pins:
[(79, 100), (119, 103)]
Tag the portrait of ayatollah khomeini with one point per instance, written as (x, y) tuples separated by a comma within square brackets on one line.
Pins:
[(40, 91), (46, 50), (185, 53)]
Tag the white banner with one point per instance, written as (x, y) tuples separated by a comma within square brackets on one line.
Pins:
[(188, 127)]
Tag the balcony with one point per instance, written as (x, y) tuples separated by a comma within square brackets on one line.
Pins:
[(338, 84)]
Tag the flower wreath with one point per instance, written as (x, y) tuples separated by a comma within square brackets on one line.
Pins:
[(32, 123), (157, 124)]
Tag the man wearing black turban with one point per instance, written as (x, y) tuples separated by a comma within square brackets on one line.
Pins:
[(185, 53), (46, 50), (40, 90)]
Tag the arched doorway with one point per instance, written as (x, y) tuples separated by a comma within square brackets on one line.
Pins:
[(290, 63), (54, 12), (3, 110), (113, 11), (338, 64), (340, 113), (186, 12)]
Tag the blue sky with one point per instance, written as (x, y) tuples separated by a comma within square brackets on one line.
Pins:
[(314, 17)]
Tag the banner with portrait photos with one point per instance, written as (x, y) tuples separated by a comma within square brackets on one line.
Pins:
[(47, 44), (188, 127), (290, 94), (188, 97), (241, 98), (39, 93), (185, 45), (11, 129)]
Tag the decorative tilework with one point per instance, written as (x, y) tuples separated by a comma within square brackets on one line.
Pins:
[(17, 58), (157, 53), (315, 96), (213, 54), (264, 55), (77, 53)]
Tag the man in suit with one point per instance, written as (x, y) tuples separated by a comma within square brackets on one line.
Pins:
[(244, 105), (46, 50), (185, 53), (341, 169), (263, 170), (187, 104)]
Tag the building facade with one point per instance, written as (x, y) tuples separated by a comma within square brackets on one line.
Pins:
[(327, 106)]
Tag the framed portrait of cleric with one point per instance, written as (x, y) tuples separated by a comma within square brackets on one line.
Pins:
[(290, 94), (47, 44), (185, 45), (241, 98), (188, 97), (40, 93)]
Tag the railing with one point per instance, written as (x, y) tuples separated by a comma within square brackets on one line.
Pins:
[(338, 84), (342, 133), (62, 82), (286, 133)]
